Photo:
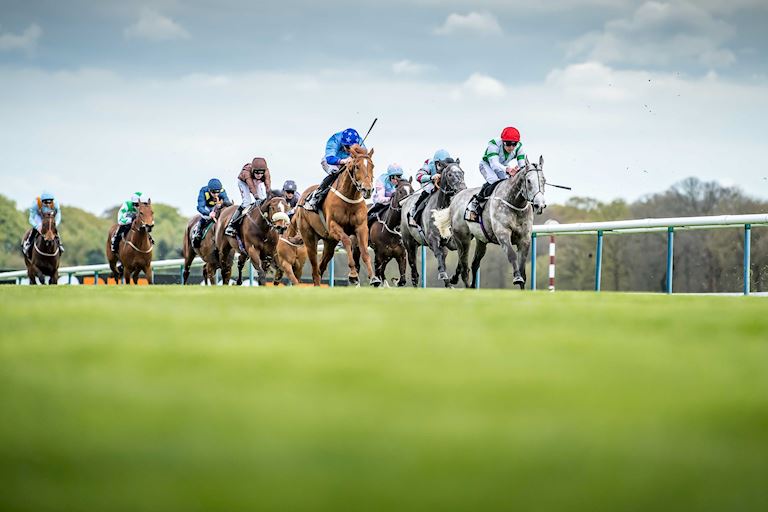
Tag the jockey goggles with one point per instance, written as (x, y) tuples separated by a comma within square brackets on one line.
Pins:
[(510, 142)]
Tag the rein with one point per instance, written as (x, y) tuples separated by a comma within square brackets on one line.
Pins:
[(138, 230), (393, 231), (50, 255), (358, 185)]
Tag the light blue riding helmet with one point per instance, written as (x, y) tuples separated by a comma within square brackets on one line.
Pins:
[(214, 184), (394, 170), (441, 155), (46, 196)]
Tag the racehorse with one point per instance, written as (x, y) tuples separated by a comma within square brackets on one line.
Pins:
[(343, 213), (507, 220), (134, 253), (384, 235), (45, 253), (207, 250), (260, 229), (291, 255), (450, 182)]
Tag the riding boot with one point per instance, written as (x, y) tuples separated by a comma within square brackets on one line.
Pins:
[(61, 245), (116, 239), (231, 229), (26, 247), (197, 239), (316, 198), (412, 221)]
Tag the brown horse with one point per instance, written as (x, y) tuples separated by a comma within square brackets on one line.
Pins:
[(135, 251), (207, 250), (385, 237), (261, 227), (45, 252), (291, 254), (343, 214)]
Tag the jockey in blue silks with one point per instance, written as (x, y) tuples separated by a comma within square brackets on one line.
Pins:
[(336, 155), (207, 199), (42, 205)]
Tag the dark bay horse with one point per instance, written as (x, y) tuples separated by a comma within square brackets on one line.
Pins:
[(343, 214), (134, 254), (451, 181), (45, 253), (291, 254), (507, 220), (384, 235), (207, 250), (261, 227)]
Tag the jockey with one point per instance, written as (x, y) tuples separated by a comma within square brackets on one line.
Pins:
[(336, 155), (43, 204), (385, 188), (502, 159), (207, 199), (289, 192), (428, 176), (125, 217), (254, 180)]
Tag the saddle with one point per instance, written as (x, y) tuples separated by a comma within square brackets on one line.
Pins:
[(480, 199)]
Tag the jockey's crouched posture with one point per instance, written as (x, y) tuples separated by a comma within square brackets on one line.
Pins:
[(428, 175), (384, 189), (125, 217), (253, 181), (207, 199), (502, 159), (336, 154), (290, 195), (43, 204)]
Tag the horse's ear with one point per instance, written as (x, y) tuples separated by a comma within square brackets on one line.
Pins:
[(149, 201), (527, 163), (458, 161), (541, 161), (371, 153), (410, 179)]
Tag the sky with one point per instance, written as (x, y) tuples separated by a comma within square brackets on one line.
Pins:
[(622, 98)]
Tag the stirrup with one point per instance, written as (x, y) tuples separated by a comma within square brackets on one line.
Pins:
[(230, 231)]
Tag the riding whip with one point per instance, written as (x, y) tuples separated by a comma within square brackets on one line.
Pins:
[(558, 186), (369, 129)]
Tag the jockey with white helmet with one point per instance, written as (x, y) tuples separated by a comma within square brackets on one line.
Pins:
[(43, 204), (125, 216)]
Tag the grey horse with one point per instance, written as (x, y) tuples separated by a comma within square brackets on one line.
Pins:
[(451, 182), (507, 220)]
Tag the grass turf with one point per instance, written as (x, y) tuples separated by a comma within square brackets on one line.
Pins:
[(187, 399)]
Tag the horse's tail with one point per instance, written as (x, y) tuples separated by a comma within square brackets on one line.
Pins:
[(443, 221)]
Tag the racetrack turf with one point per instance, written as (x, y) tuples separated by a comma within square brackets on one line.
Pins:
[(185, 399)]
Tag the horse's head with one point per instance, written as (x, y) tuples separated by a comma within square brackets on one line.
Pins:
[(49, 226), (533, 184), (277, 213), (146, 216), (452, 178), (404, 189), (361, 169)]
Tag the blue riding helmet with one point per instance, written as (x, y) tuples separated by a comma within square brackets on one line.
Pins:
[(350, 137), (441, 155), (46, 196), (394, 170), (214, 184), (289, 186)]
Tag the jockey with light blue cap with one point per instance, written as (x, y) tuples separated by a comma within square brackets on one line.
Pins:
[(428, 176), (384, 189), (336, 155), (42, 205)]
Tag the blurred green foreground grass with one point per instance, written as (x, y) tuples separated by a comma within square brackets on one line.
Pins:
[(185, 399)]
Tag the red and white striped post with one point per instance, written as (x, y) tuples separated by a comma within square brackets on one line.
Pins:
[(551, 257)]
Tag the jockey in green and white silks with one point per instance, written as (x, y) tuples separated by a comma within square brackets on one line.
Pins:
[(126, 214), (503, 157), (43, 204)]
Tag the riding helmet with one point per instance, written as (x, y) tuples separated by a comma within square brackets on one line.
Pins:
[(394, 170), (214, 184), (46, 196), (289, 186), (510, 134), (350, 137)]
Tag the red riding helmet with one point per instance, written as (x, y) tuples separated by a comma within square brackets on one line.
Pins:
[(510, 134)]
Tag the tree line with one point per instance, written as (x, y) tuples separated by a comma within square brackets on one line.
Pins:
[(705, 260)]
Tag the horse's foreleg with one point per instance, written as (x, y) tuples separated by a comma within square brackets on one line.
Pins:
[(523, 247), (149, 274), (462, 267), (311, 243), (410, 250), (362, 240), (54, 277), (480, 248), (241, 259), (440, 253), (400, 257), (188, 258), (32, 274), (255, 256), (505, 240), (226, 263)]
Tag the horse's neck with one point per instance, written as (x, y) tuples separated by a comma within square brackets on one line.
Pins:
[(393, 216), (443, 200), (136, 234), (345, 185), (511, 191)]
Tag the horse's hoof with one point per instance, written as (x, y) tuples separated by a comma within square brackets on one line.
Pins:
[(442, 276), (401, 284), (375, 281), (455, 280), (354, 280)]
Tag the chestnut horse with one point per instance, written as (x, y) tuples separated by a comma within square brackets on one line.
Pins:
[(261, 227), (134, 254), (45, 253), (343, 213), (291, 254), (207, 250), (385, 237)]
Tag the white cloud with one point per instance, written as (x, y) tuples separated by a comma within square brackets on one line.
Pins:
[(484, 86), (407, 67), (26, 41), (153, 26), (659, 34), (482, 23)]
